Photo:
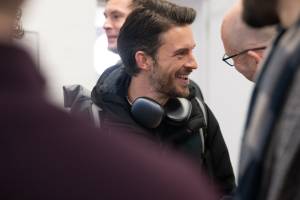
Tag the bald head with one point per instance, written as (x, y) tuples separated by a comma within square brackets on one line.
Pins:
[(240, 36), (237, 37)]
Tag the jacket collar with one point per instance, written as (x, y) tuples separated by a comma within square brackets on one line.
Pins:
[(112, 85)]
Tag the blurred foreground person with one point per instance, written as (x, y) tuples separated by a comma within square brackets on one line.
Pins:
[(45, 154), (270, 154)]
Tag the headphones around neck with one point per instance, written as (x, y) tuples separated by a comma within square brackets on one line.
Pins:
[(150, 113)]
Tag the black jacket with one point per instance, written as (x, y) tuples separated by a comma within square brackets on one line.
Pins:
[(110, 94)]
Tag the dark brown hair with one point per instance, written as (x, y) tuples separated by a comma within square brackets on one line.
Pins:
[(134, 3)]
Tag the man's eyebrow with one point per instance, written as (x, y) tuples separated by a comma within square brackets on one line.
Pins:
[(113, 12), (183, 50)]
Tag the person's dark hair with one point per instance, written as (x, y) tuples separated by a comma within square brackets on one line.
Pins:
[(10, 5), (258, 13), (144, 26), (134, 3)]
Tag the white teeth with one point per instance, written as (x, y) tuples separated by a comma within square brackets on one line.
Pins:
[(185, 77)]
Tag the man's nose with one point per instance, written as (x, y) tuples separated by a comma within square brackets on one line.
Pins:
[(192, 62), (107, 23)]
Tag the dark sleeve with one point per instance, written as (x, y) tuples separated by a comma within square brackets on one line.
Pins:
[(217, 157)]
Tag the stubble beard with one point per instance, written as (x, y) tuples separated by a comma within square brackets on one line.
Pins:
[(164, 84)]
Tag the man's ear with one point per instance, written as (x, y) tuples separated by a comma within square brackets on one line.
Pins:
[(257, 56), (143, 61)]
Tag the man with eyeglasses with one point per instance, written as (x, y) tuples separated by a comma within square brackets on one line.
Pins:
[(244, 46)]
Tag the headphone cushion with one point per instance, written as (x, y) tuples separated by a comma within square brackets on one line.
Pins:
[(147, 112)]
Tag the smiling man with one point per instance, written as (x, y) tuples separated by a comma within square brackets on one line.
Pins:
[(165, 74), (156, 46), (115, 13)]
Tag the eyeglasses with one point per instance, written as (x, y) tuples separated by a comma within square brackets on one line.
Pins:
[(229, 59)]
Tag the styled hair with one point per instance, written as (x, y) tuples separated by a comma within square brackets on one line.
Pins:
[(143, 28), (134, 3)]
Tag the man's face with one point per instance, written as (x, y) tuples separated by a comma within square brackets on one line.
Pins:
[(259, 13), (174, 63), (116, 12), (244, 63)]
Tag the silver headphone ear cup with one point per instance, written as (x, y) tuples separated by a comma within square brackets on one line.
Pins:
[(178, 110)]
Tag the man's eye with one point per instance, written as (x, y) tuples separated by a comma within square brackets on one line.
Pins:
[(115, 17), (179, 56)]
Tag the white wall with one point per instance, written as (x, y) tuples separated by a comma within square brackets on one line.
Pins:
[(66, 36), (229, 91)]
